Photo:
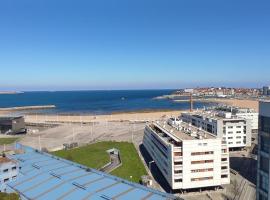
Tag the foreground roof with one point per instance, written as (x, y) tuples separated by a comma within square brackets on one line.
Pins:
[(44, 176)]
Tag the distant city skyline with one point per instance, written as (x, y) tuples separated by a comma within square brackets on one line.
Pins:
[(96, 45)]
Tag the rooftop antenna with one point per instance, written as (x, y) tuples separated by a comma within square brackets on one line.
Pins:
[(191, 102)]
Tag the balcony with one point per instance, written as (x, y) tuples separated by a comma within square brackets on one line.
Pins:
[(178, 176), (224, 171), (178, 158), (177, 149), (178, 167)]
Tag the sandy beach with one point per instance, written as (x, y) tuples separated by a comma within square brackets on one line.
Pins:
[(134, 116), (242, 103)]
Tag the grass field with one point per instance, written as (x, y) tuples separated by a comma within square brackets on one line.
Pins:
[(7, 140), (5, 196), (95, 156)]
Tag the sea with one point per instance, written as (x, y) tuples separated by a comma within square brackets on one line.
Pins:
[(96, 102)]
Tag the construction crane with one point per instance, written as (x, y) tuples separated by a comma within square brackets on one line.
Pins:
[(191, 102)]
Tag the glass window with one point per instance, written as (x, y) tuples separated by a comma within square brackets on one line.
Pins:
[(264, 164), (261, 197), (264, 124), (265, 144), (264, 183)]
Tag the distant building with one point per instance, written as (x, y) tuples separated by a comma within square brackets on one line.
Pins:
[(234, 130), (187, 157), (245, 113), (266, 90), (9, 170), (188, 90), (12, 125), (263, 168)]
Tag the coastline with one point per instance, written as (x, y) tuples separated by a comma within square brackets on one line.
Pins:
[(140, 115)]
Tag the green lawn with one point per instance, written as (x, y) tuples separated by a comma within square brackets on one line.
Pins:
[(95, 156), (5, 196), (7, 140)]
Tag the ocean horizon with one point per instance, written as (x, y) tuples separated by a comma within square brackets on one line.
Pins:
[(95, 101)]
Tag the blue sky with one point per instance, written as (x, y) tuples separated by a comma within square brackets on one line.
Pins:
[(120, 44)]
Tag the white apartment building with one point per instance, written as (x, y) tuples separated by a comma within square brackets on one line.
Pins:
[(187, 157), (9, 170), (234, 130), (245, 113), (263, 168)]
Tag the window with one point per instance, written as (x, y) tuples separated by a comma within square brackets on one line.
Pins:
[(178, 171), (6, 180), (264, 124), (202, 170), (238, 126), (14, 168), (202, 179), (244, 140), (223, 159), (230, 137), (265, 144), (264, 164), (5, 170), (202, 153), (165, 171), (230, 132), (238, 131), (177, 180), (230, 127), (201, 161), (224, 167), (238, 142), (238, 137), (224, 150), (224, 176), (177, 153), (261, 197), (264, 183)]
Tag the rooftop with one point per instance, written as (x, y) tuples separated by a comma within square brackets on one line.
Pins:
[(44, 176), (184, 131), (5, 160), (10, 117), (214, 115), (232, 109)]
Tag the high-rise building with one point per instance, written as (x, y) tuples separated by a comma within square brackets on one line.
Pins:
[(187, 156), (266, 90), (263, 151)]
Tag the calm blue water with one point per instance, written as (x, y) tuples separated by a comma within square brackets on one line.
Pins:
[(98, 102)]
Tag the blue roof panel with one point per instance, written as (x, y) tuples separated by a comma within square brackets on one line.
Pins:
[(43, 176)]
